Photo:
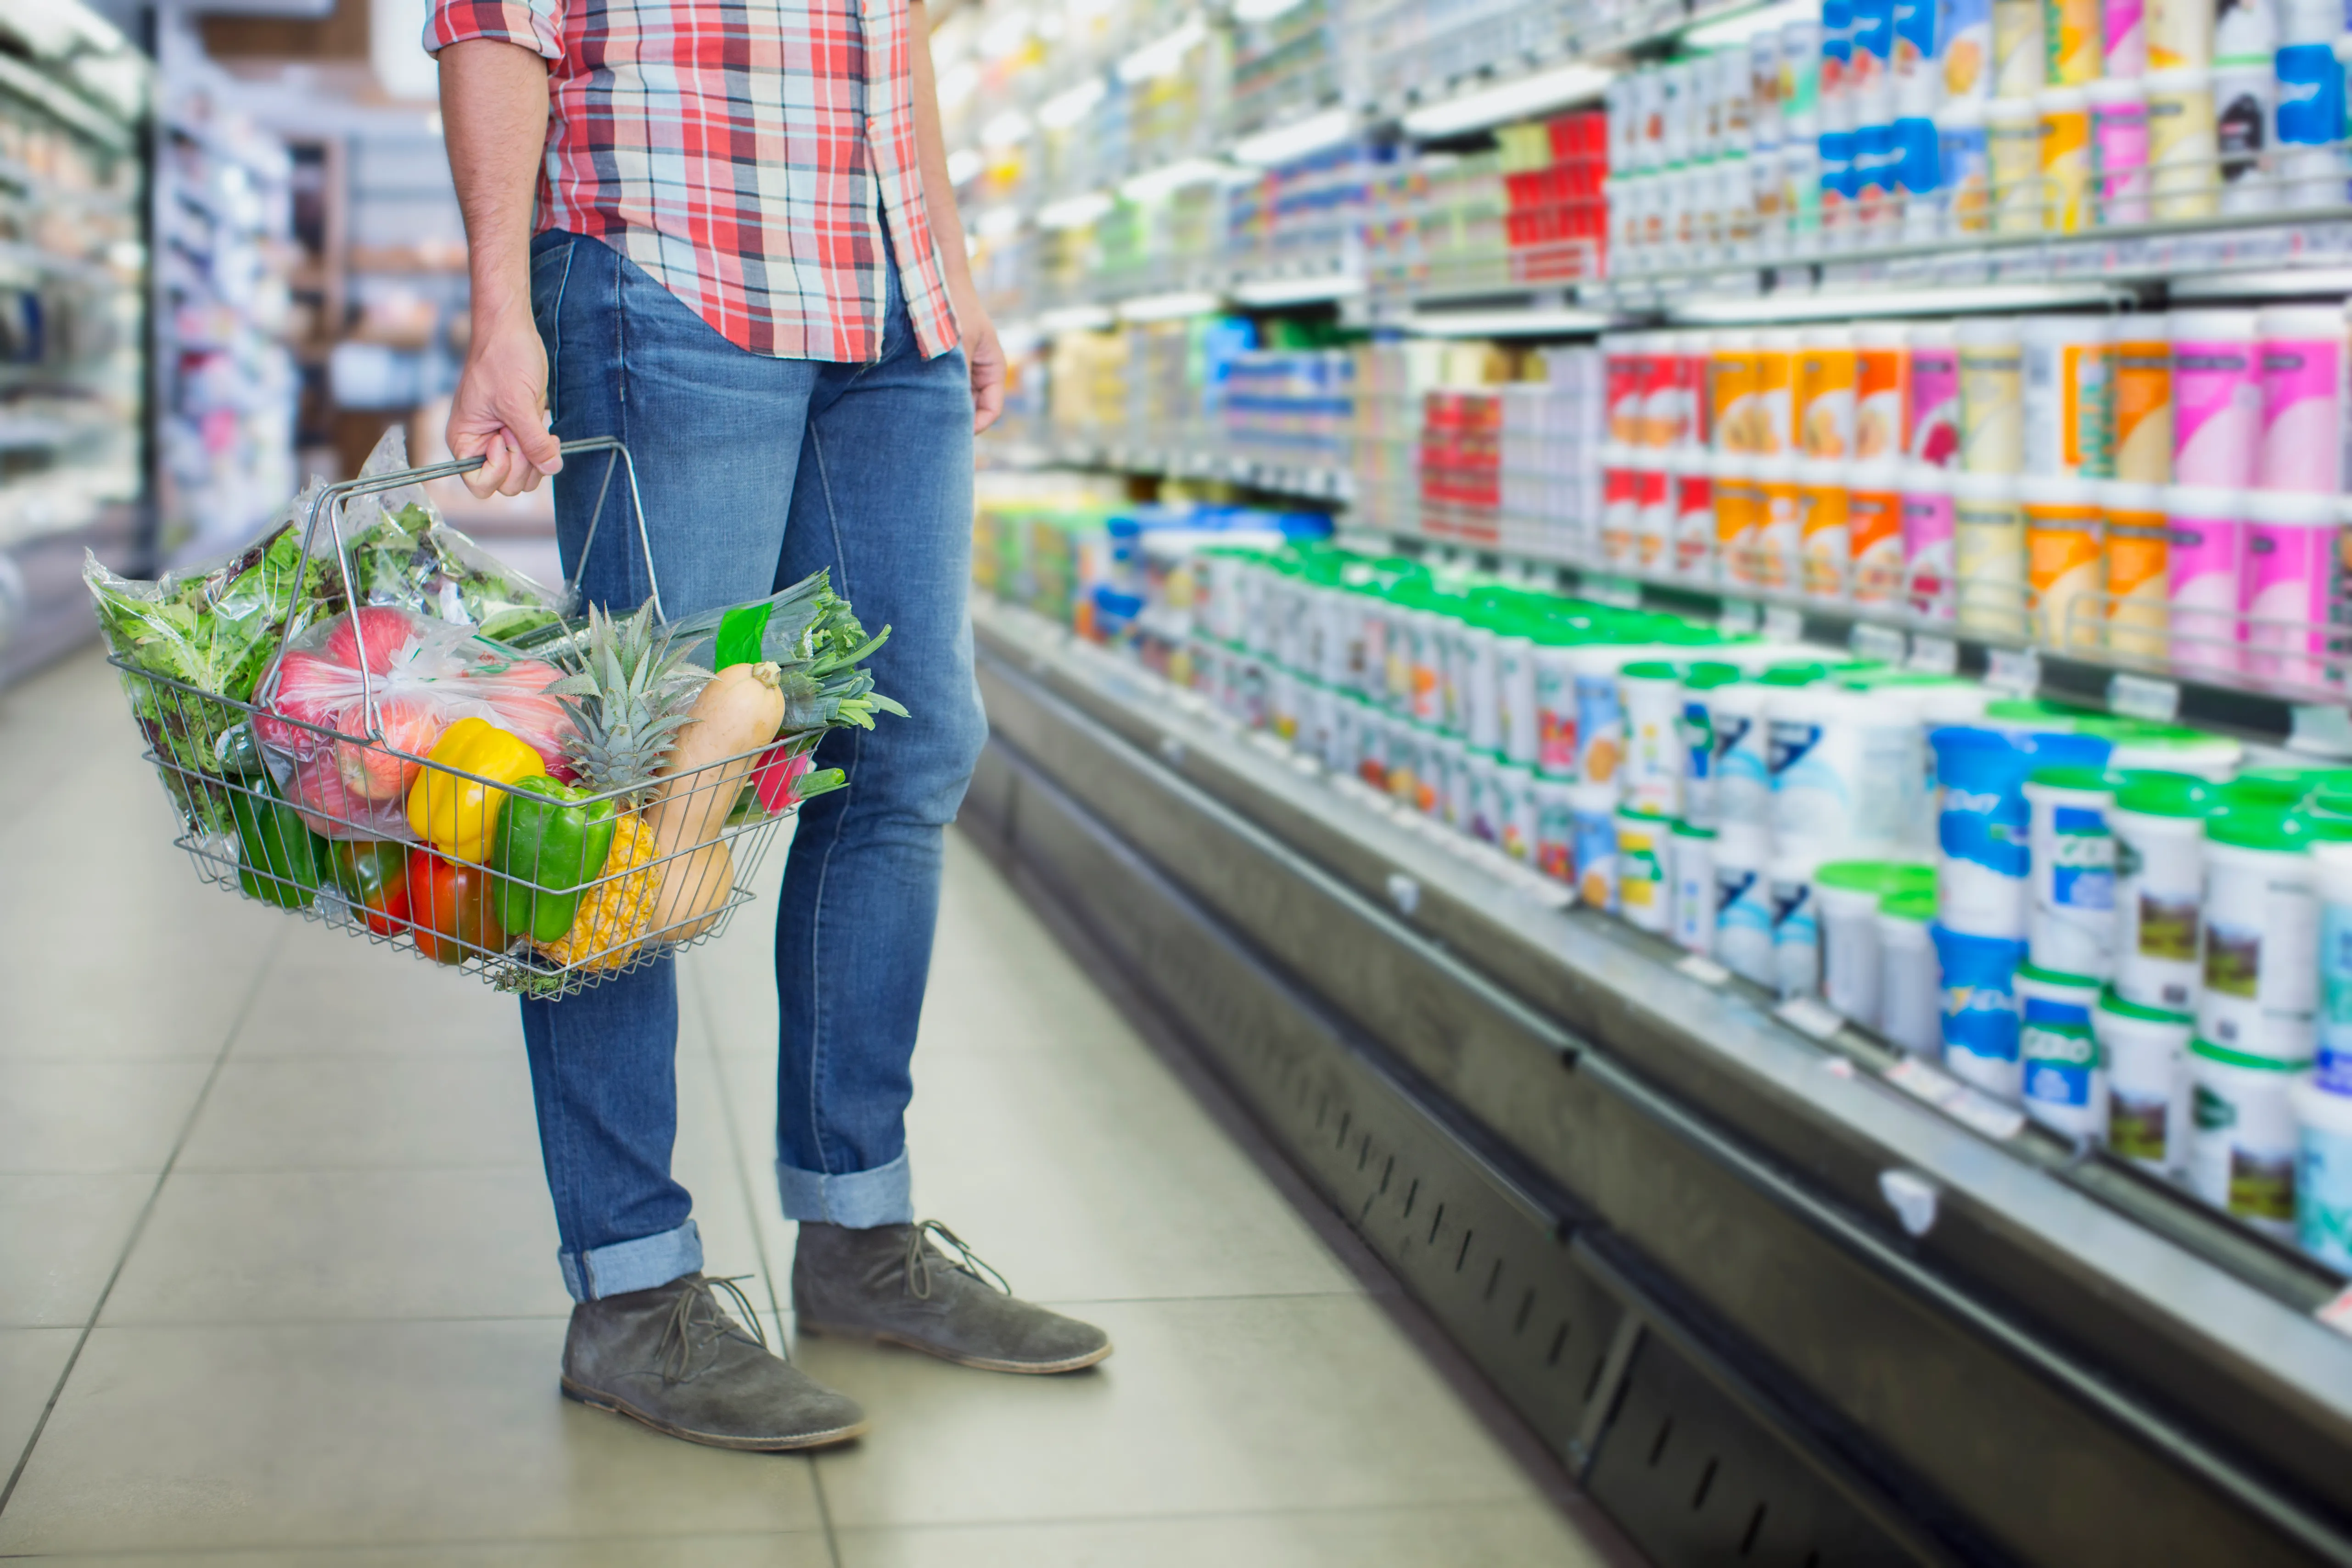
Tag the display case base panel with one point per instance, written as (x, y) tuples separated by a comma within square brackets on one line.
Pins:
[(1692, 1471)]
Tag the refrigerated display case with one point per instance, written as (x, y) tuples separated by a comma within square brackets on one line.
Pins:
[(73, 319)]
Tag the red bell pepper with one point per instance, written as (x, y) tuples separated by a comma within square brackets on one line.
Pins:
[(453, 907)]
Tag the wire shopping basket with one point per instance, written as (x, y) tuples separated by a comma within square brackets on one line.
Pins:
[(539, 888)]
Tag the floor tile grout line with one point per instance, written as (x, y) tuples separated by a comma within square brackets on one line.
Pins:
[(759, 1236), (146, 1210)]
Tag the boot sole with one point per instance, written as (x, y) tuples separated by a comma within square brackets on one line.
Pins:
[(983, 1363), (605, 1401)]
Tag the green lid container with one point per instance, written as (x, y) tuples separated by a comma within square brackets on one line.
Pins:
[(1858, 876), (1707, 675), (2073, 776), (1794, 674), (2200, 1047), (2267, 786), (1913, 904), (1652, 669), (2152, 792), (2276, 828)]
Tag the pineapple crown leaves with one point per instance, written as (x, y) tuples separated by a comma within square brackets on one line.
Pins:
[(628, 692)]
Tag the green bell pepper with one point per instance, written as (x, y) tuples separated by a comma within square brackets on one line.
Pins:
[(551, 839), (279, 859)]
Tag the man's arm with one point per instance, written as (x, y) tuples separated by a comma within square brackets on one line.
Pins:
[(980, 345), (494, 117)]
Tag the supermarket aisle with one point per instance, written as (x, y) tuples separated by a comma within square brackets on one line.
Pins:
[(274, 1196)]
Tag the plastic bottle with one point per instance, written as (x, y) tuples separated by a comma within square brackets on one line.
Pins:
[(1928, 540), (2066, 561), (1992, 396), (2118, 107), (1693, 912), (2014, 157), (1965, 167), (1988, 554), (2302, 365), (2179, 34), (1775, 557), (2123, 38), (1874, 532), (2138, 551), (1826, 373), (2019, 65), (2288, 586), (1823, 537), (2183, 156), (2062, 119), (2207, 560)]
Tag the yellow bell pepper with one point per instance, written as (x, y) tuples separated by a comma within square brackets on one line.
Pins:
[(458, 816)]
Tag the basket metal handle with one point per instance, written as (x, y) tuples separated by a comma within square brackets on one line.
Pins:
[(329, 503)]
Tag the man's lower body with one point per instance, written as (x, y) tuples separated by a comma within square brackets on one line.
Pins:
[(755, 472)]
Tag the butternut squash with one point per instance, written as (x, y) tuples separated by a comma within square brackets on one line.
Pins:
[(737, 714), (694, 891)]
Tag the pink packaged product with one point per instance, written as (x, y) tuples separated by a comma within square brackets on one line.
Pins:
[(1935, 394), (2287, 584), (2302, 370), (1928, 540), (2217, 399), (2208, 556), (2119, 144), (2122, 24)]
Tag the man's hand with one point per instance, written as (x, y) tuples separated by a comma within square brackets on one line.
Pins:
[(501, 410), (986, 357)]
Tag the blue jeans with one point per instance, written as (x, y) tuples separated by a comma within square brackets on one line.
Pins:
[(756, 472)]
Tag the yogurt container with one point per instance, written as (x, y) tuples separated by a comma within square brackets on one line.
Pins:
[(2146, 1054), (1593, 813), (2287, 588), (1656, 754), (1742, 773), (2062, 1077), (1645, 889), (1846, 896), (1743, 912), (2206, 563), (1910, 997), (2158, 823), (1978, 977), (1692, 848), (2071, 921), (1989, 557), (2260, 940), (1983, 824), (1697, 733), (1514, 810), (2243, 1143), (2331, 864), (2323, 1174), (1842, 763), (1796, 925)]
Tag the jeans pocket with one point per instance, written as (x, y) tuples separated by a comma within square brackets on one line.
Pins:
[(551, 269)]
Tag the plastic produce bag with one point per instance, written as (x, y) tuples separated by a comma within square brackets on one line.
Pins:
[(424, 676), (404, 554)]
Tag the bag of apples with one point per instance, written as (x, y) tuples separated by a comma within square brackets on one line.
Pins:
[(350, 778)]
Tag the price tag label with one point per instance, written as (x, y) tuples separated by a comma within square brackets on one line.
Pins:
[(1935, 656), (2016, 670), (1808, 1016), (2336, 1313), (1782, 624), (1957, 1099), (1703, 969), (1883, 644), (2141, 697)]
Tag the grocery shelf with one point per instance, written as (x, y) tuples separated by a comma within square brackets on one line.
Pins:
[(1307, 481), (1713, 1173)]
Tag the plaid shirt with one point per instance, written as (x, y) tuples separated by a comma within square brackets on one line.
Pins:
[(746, 154)]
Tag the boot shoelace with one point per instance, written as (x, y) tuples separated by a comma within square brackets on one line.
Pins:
[(689, 1333), (966, 1261)]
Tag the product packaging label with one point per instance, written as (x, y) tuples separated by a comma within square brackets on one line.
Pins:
[(2143, 411), (2217, 403), (2070, 42), (1596, 860), (2303, 409), (2310, 94), (2137, 1126), (1600, 728), (1913, 31), (1979, 977), (1823, 538), (1964, 49), (2017, 48), (2124, 39), (2056, 1044), (2083, 873), (1992, 409), (1825, 402), (1965, 168), (1555, 724), (1875, 534), (2335, 996), (2322, 1190)]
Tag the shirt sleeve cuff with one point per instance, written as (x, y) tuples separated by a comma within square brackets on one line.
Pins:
[(532, 25)]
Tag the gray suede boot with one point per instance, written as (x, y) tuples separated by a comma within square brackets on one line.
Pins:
[(672, 1358), (892, 1285)]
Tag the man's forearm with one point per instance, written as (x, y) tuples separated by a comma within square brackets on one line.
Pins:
[(931, 156), (494, 115)]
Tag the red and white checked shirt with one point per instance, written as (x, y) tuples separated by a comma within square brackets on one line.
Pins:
[(747, 153)]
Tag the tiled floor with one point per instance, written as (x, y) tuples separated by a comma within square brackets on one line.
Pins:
[(278, 1280)]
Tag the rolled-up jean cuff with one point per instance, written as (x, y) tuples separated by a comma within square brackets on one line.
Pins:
[(856, 1199), (627, 1266)]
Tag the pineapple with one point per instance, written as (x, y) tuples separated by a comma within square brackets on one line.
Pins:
[(628, 697)]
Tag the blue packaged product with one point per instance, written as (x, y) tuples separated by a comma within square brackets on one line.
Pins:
[(1873, 36), (1979, 980), (2063, 1076), (1837, 177), (1874, 167), (1983, 829), (1743, 916), (1593, 825), (1917, 162), (1912, 24), (2310, 94)]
